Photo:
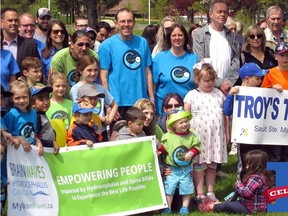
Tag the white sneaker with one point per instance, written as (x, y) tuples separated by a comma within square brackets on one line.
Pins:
[(233, 150)]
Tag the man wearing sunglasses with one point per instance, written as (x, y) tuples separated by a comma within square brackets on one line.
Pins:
[(43, 17), (274, 32), (217, 42), (66, 59)]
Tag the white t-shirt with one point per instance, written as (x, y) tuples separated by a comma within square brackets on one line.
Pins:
[(220, 52)]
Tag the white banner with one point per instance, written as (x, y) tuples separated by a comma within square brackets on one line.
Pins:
[(260, 116), (112, 178)]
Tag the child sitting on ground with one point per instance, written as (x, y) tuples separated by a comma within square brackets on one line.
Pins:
[(251, 190), (180, 145), (41, 103), (133, 126), (80, 132)]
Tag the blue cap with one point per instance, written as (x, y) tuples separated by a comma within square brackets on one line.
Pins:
[(251, 69), (40, 89), (82, 107)]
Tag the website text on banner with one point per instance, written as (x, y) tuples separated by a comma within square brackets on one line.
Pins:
[(113, 178), (260, 116)]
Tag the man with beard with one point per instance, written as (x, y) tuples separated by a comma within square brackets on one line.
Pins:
[(43, 17)]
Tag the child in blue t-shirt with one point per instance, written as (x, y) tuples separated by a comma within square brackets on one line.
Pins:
[(21, 119)]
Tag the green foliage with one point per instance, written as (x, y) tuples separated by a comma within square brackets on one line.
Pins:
[(160, 9)]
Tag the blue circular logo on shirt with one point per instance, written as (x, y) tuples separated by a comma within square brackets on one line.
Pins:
[(71, 78), (180, 74), (59, 114), (27, 131), (178, 156), (132, 59)]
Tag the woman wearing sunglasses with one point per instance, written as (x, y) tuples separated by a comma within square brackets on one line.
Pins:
[(255, 50), (57, 38)]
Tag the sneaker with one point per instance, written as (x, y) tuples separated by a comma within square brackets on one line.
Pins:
[(211, 196), (222, 174), (233, 150), (183, 211), (167, 211)]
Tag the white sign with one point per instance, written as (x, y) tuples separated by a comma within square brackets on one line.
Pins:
[(260, 116)]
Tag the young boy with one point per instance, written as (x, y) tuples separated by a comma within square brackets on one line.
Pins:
[(250, 74), (180, 146), (32, 70), (80, 132), (89, 94), (41, 103), (134, 124), (277, 78)]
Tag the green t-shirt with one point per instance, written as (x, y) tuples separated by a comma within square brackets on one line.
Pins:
[(63, 62), (177, 146), (61, 111)]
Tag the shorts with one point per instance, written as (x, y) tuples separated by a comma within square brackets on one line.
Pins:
[(181, 178), (203, 166)]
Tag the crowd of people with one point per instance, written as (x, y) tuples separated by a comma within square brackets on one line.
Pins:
[(109, 84)]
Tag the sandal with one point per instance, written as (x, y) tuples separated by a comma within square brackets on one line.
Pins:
[(199, 198)]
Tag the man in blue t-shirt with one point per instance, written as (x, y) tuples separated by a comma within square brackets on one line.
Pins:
[(124, 61)]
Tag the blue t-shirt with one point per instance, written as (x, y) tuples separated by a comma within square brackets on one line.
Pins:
[(46, 62), (22, 124), (172, 74), (126, 64), (9, 67)]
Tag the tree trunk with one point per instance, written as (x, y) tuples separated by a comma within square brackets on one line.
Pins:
[(92, 13)]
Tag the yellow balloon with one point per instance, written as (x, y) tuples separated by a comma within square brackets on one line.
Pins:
[(60, 131)]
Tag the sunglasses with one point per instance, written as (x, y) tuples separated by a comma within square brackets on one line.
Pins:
[(253, 36), (82, 44), (56, 31), (170, 106)]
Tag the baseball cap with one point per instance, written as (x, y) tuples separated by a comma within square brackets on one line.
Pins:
[(82, 107), (177, 114), (35, 90), (110, 22), (43, 12), (89, 90), (251, 69), (89, 29), (281, 47)]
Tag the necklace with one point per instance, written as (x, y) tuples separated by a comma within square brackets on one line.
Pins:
[(126, 41)]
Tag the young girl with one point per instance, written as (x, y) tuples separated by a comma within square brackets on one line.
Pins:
[(21, 119), (180, 146), (60, 108), (87, 70), (252, 198), (205, 104)]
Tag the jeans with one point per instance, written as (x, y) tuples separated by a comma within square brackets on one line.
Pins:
[(231, 207)]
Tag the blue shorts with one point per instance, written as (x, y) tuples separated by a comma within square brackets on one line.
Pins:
[(181, 178)]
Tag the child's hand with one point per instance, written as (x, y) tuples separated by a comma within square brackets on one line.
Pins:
[(56, 148), (234, 90), (278, 87), (26, 145), (188, 156), (40, 147), (89, 143), (158, 152)]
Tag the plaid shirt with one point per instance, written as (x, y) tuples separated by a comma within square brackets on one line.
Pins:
[(252, 195)]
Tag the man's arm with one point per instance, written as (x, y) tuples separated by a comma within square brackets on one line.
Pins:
[(150, 86), (104, 78)]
